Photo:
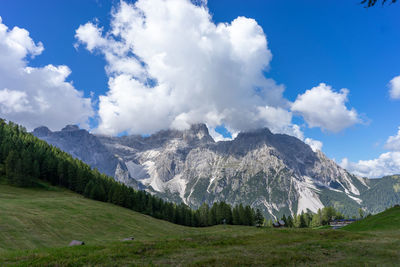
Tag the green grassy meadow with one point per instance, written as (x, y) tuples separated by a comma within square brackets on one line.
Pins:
[(37, 225), (388, 220)]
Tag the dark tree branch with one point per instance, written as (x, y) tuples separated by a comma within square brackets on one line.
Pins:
[(370, 3)]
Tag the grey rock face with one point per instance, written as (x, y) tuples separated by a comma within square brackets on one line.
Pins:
[(274, 172), (82, 145)]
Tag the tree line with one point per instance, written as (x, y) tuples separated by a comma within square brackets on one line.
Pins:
[(26, 160), (311, 220)]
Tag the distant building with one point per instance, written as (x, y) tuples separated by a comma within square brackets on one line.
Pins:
[(279, 224), (336, 224)]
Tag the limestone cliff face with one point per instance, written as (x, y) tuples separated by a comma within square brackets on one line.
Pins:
[(82, 145), (274, 172)]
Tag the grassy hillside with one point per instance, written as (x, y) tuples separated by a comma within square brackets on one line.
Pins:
[(389, 220), (33, 218), (46, 221)]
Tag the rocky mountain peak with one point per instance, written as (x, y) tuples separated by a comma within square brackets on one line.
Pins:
[(41, 131), (257, 134), (198, 133), (69, 128), (199, 128)]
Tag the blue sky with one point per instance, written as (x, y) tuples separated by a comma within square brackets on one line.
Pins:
[(338, 43)]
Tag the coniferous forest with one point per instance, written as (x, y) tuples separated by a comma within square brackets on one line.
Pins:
[(26, 161)]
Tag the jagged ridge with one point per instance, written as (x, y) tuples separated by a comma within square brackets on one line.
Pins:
[(277, 173)]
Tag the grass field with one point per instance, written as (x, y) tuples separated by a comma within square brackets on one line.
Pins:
[(36, 226), (34, 218), (388, 220)]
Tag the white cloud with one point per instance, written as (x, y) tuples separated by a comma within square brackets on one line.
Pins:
[(36, 96), (386, 164), (170, 65), (325, 108), (393, 142), (13, 101), (314, 144), (394, 88)]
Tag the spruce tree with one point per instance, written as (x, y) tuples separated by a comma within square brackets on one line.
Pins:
[(259, 218), (236, 215), (10, 164)]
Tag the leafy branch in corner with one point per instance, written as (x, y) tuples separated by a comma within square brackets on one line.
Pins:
[(370, 3)]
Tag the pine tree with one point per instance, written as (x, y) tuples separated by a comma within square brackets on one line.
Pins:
[(72, 177), (302, 221), (249, 216), (36, 170), (243, 220), (236, 215), (19, 177), (88, 189), (259, 218), (204, 215), (289, 221), (214, 219), (11, 162)]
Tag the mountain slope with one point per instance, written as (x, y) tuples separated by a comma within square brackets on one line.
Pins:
[(384, 192), (82, 145), (32, 218), (277, 173)]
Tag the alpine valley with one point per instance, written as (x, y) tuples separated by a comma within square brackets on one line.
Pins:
[(277, 173)]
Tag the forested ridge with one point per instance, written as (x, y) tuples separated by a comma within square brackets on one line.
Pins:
[(26, 161)]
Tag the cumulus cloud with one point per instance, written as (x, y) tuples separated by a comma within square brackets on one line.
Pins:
[(36, 96), (170, 65), (322, 107), (314, 144), (386, 164), (393, 142), (394, 88)]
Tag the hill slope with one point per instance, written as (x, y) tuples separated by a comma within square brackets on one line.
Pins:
[(387, 220), (33, 218), (48, 220)]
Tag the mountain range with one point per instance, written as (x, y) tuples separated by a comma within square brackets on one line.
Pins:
[(277, 173)]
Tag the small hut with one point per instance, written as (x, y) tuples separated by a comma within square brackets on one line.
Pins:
[(336, 224), (279, 224)]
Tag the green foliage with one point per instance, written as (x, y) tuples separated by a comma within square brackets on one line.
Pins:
[(314, 220), (26, 160), (387, 220), (259, 218)]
